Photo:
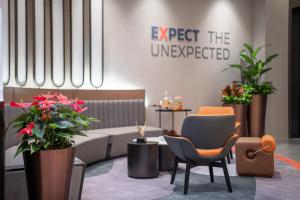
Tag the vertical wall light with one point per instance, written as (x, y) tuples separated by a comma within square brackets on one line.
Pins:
[(77, 48), (58, 68), (21, 42), (39, 43), (96, 68), (5, 41)]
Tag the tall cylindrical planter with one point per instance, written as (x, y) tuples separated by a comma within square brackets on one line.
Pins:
[(48, 173), (240, 111), (257, 115)]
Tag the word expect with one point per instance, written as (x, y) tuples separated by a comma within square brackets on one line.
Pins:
[(169, 34), (177, 43)]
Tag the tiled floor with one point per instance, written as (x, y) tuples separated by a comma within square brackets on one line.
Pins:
[(289, 148)]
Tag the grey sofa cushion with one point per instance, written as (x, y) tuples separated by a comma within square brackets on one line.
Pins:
[(91, 148), (15, 181), (120, 136)]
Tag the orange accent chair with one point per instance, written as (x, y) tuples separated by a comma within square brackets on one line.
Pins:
[(205, 141)]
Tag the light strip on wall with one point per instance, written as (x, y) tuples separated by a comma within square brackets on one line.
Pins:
[(39, 43), (58, 68), (21, 42), (96, 17), (5, 41), (77, 48)]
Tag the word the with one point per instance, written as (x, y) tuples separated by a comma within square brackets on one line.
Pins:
[(219, 38)]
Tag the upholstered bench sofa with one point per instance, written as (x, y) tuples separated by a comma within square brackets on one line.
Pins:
[(105, 140), (108, 139)]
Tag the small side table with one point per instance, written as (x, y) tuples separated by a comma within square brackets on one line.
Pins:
[(160, 110), (142, 159), (165, 155)]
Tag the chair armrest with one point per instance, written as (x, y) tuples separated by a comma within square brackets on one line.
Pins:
[(229, 144)]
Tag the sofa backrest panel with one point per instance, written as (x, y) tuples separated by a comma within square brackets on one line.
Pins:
[(116, 113)]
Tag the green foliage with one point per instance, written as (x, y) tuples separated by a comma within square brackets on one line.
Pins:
[(237, 93), (253, 69), (265, 88)]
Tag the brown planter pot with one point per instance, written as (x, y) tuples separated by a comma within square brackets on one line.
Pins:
[(240, 111), (257, 115), (48, 174)]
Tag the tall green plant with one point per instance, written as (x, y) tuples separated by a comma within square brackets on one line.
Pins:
[(254, 68)]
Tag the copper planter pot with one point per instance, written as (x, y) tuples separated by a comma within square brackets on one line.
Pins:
[(240, 111), (48, 174), (257, 115)]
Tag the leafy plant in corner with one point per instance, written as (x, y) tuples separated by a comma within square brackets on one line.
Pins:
[(50, 122), (253, 69), (237, 93)]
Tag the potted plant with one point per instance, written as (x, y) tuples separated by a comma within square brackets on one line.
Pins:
[(47, 127), (252, 70), (238, 97)]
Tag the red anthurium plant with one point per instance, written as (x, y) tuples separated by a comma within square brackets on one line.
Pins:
[(50, 122)]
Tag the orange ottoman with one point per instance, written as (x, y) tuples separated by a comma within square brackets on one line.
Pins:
[(261, 163)]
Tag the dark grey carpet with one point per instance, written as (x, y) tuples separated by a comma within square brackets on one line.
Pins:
[(108, 181), (201, 188)]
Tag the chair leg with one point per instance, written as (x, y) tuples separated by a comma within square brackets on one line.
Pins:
[(187, 176), (228, 158), (230, 153), (211, 173), (174, 170), (227, 178)]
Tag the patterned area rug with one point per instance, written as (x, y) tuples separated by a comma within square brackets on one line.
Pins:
[(109, 181)]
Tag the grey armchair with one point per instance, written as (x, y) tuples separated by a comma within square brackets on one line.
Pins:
[(205, 141)]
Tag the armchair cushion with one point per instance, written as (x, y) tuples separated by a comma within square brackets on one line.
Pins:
[(209, 152), (216, 152)]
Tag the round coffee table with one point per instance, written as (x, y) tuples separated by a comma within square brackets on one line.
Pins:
[(142, 159)]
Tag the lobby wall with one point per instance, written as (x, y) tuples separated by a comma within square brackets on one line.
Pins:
[(129, 64), (270, 26), (277, 26), (128, 59)]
